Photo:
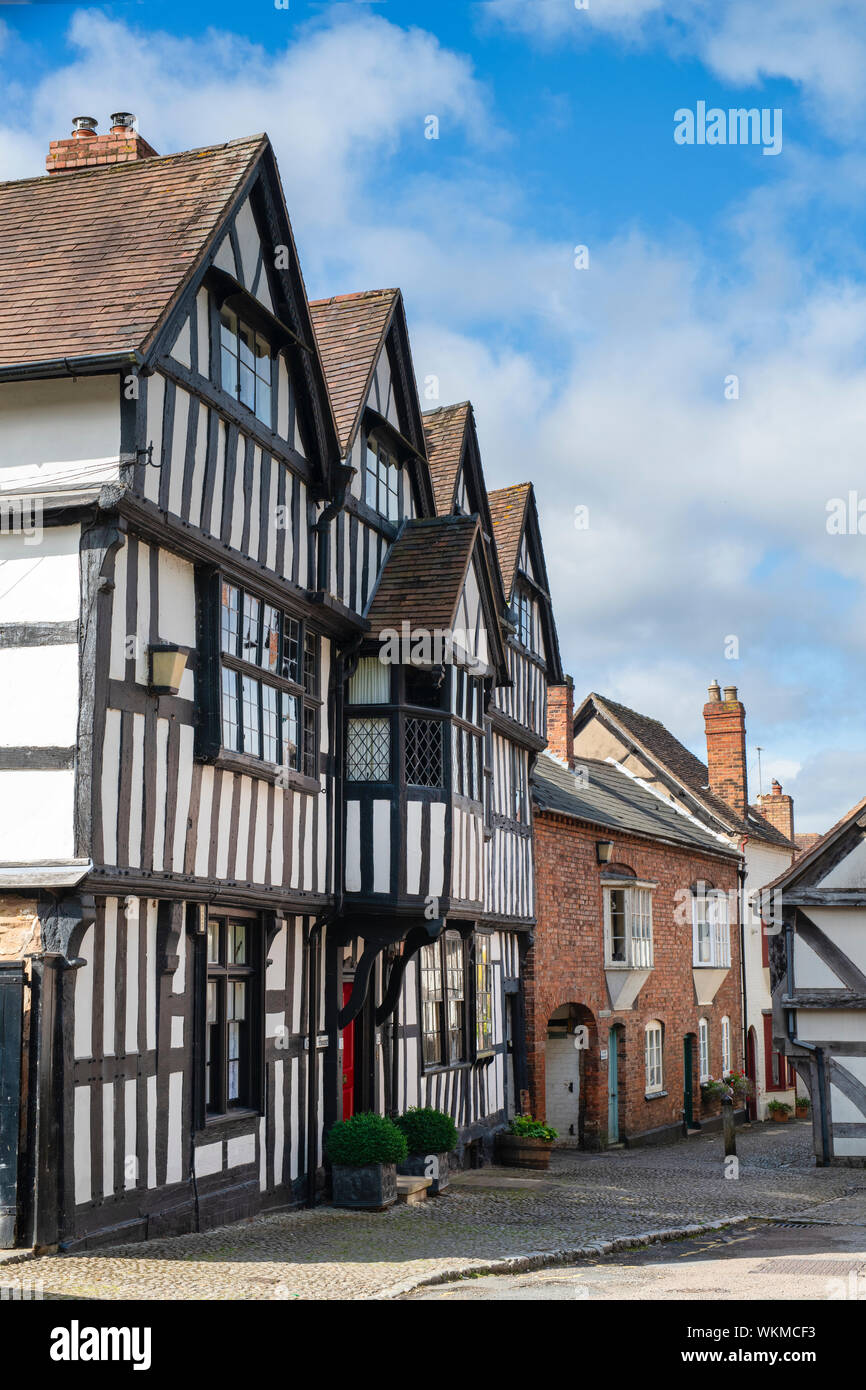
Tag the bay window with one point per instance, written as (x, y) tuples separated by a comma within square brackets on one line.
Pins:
[(628, 927), (711, 932), (483, 994)]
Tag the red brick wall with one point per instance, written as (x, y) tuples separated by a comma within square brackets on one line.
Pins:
[(725, 727), (565, 965), (778, 809), (91, 151), (560, 720)]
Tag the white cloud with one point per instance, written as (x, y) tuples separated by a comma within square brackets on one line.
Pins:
[(335, 101), (603, 386), (819, 44)]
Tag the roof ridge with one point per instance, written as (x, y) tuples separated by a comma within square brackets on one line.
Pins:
[(353, 295), (47, 180)]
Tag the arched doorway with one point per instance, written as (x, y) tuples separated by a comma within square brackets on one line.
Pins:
[(570, 1035)]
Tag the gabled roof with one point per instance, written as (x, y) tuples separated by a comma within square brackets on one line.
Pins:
[(350, 330), (91, 261), (508, 510), (610, 798), (422, 579), (804, 862), (445, 433), (652, 738)]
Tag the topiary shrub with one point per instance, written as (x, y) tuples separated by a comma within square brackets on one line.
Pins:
[(428, 1131), (366, 1138)]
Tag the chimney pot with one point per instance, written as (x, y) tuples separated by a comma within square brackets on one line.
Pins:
[(122, 120), (776, 787), (714, 692), (730, 692), (84, 127)]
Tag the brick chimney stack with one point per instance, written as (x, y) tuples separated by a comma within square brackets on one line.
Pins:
[(778, 809), (85, 149), (560, 720), (725, 725)]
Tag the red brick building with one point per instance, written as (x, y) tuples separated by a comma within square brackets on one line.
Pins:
[(633, 987)]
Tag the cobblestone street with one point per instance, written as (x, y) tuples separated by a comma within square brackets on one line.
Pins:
[(488, 1216)]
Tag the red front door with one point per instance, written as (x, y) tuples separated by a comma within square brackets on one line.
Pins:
[(348, 1061)]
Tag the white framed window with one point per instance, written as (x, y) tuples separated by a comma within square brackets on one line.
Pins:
[(711, 931), (654, 1054), (704, 1048), (382, 482), (726, 1045), (628, 927)]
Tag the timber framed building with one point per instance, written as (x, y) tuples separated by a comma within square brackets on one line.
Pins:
[(254, 873)]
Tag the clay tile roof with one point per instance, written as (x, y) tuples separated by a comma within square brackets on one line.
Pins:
[(444, 431), (349, 330), (422, 578), (91, 260), (508, 510), (652, 735)]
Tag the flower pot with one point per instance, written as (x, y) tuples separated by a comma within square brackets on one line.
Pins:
[(370, 1187), (435, 1166), (802, 1112), (518, 1151), (780, 1117)]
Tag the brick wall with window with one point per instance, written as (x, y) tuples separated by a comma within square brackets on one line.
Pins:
[(579, 935)]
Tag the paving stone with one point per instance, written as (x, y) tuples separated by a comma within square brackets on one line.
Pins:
[(587, 1200)]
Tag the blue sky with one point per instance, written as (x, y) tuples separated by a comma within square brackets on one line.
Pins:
[(604, 385)]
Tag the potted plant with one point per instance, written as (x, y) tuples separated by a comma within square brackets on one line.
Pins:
[(525, 1144), (364, 1152), (712, 1094), (431, 1136), (741, 1085), (779, 1111), (802, 1106)]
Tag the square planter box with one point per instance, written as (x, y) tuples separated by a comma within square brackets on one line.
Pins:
[(416, 1166), (370, 1187)]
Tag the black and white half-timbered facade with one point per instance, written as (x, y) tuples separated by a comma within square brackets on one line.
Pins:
[(816, 923), (267, 714)]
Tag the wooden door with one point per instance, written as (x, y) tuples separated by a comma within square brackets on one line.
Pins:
[(348, 1059), (688, 1098), (613, 1086)]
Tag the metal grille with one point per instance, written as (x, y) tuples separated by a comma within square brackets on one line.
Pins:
[(424, 752), (368, 750)]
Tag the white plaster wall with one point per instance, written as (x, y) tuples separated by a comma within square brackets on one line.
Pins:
[(40, 582), (58, 421)]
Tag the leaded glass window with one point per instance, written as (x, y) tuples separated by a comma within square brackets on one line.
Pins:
[(483, 994), (269, 682), (368, 750), (442, 967), (423, 752)]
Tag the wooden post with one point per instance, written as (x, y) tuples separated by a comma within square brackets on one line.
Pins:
[(728, 1126)]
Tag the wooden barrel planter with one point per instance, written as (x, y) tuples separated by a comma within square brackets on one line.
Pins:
[(519, 1151)]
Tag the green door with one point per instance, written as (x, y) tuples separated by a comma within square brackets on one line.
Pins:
[(687, 1082), (612, 1087)]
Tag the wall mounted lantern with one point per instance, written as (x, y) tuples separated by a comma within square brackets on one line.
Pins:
[(604, 851), (167, 665)]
